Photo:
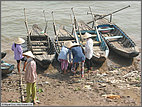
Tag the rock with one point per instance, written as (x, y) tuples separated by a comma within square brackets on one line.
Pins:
[(89, 83), (46, 82), (87, 87)]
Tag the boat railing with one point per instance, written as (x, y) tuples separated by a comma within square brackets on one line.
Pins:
[(125, 35)]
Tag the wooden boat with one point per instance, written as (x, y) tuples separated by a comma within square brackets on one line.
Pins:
[(42, 47), (118, 40), (40, 44), (62, 36), (100, 48), (3, 54), (6, 68), (115, 37)]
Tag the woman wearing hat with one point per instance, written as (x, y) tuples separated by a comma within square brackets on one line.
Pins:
[(78, 56), (30, 77), (88, 51), (63, 58), (18, 52)]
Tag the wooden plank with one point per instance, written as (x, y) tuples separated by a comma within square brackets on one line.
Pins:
[(35, 53), (114, 37), (39, 47), (38, 41), (39, 50), (94, 43)]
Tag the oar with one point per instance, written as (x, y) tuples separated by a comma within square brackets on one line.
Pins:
[(110, 13)]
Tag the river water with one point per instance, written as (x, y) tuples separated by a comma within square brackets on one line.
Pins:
[(12, 17)]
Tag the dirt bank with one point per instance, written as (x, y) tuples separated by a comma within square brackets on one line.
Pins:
[(117, 76)]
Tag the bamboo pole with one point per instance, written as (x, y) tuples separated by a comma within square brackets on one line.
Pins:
[(46, 27), (26, 24), (94, 21), (109, 13), (21, 90)]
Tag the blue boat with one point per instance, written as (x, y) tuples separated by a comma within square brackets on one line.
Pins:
[(115, 37), (6, 68), (118, 40)]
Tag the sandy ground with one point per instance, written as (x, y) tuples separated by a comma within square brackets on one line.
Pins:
[(117, 76)]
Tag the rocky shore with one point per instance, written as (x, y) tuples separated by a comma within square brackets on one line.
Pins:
[(115, 83)]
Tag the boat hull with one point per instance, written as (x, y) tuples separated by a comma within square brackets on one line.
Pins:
[(6, 68), (118, 41), (43, 49)]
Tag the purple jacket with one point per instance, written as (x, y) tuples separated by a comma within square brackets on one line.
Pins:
[(18, 51)]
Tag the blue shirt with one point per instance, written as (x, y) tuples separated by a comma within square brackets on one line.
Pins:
[(77, 53), (63, 53)]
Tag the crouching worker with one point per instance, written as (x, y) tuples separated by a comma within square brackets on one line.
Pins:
[(63, 58), (30, 77), (78, 56)]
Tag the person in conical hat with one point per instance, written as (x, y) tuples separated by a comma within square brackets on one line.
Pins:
[(78, 57), (30, 77), (18, 52), (68, 44), (88, 51), (63, 57), (19, 41), (87, 35)]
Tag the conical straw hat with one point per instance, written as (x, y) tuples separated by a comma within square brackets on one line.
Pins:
[(68, 44), (29, 53), (19, 41), (87, 35)]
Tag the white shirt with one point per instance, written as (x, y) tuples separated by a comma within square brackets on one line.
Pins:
[(89, 48)]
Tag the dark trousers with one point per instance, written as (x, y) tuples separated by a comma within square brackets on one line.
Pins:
[(88, 63)]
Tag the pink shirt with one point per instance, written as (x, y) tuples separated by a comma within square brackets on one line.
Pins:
[(30, 75)]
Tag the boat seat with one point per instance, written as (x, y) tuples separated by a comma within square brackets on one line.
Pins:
[(39, 53), (114, 37), (95, 43), (105, 29), (39, 50), (38, 41), (92, 36), (39, 47)]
